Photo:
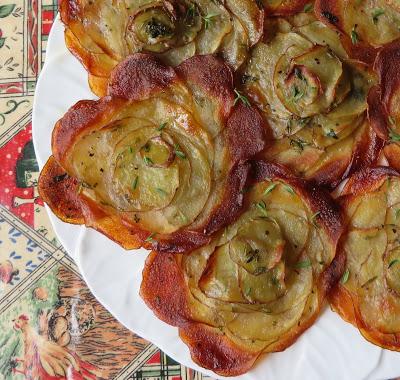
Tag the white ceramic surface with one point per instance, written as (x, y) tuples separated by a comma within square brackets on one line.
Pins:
[(331, 349)]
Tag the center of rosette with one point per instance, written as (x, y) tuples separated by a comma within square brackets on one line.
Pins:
[(164, 25), (146, 173), (306, 81)]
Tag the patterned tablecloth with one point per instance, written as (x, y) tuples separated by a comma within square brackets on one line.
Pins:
[(48, 317)]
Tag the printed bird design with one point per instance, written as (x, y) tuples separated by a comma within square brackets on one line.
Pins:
[(46, 360)]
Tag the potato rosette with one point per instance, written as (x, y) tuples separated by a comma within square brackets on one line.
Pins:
[(160, 161), (366, 22), (314, 99), (368, 295), (259, 284), (102, 33)]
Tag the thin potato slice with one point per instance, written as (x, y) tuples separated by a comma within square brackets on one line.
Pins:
[(260, 283), (144, 164), (103, 33), (315, 100), (368, 294)]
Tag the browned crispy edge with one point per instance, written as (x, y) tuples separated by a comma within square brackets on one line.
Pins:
[(342, 300), (165, 292), (287, 8), (330, 12), (63, 195), (60, 192), (386, 65), (141, 76)]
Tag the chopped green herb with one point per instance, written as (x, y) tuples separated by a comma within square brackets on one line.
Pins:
[(247, 292), (345, 276), (308, 8), (395, 261), (135, 183), (259, 270), (297, 94), (162, 126), (248, 79), (369, 281), (397, 213), (130, 150), (242, 98), (376, 14), (269, 188), (314, 219), (253, 254), (354, 36), (298, 144), (208, 19), (394, 136), (150, 237), (179, 153), (161, 191), (332, 134), (303, 264), (289, 189), (392, 121), (148, 161), (262, 207)]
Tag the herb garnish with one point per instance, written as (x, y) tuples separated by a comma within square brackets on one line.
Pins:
[(148, 161), (269, 188), (354, 36), (332, 134), (345, 276), (289, 189), (303, 264), (135, 183), (162, 126), (208, 19), (150, 237), (376, 14), (308, 8), (242, 98), (394, 136), (178, 152), (262, 207), (395, 261), (314, 219)]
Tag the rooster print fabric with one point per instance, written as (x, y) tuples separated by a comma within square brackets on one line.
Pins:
[(51, 326)]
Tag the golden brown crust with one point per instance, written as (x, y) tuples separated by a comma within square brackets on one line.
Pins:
[(387, 67), (166, 292), (212, 75), (384, 111), (60, 192), (141, 77), (368, 179), (211, 349)]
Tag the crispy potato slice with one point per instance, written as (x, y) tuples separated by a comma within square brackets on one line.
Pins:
[(372, 22), (314, 99), (368, 294), (260, 283), (102, 33), (384, 100), (168, 167)]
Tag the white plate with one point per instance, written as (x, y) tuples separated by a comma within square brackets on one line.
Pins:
[(330, 349)]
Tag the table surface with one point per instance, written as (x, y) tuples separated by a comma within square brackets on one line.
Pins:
[(62, 322)]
